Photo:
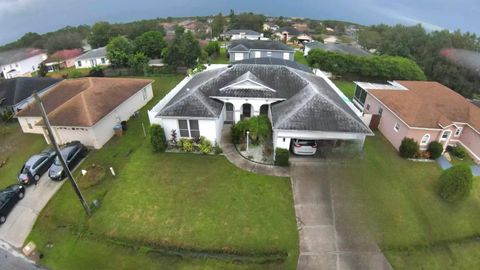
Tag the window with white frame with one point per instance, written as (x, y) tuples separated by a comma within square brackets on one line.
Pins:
[(425, 139), (269, 54), (458, 131), (258, 54), (445, 135), (286, 56), (79, 63), (144, 92), (396, 127), (368, 107), (380, 111), (189, 128)]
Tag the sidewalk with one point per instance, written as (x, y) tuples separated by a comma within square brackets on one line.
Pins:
[(235, 158), (445, 164)]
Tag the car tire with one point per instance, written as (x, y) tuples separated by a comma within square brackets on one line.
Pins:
[(2, 219), (21, 195), (36, 177)]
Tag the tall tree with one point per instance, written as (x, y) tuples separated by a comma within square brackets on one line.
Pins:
[(150, 43), (218, 25), (183, 51), (101, 34), (119, 50)]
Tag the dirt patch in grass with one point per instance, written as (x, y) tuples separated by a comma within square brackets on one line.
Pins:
[(95, 174)]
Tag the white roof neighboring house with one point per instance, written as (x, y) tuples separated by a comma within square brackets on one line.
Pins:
[(21, 62), (92, 58)]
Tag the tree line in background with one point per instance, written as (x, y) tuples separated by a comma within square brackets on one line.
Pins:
[(382, 67), (425, 48)]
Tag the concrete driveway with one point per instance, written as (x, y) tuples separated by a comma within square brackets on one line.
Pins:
[(22, 218), (328, 239)]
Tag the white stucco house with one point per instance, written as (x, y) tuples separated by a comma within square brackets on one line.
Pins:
[(20, 62), (236, 34), (242, 49), (299, 104), (87, 109), (93, 58)]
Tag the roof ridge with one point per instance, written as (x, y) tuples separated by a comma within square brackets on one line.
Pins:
[(191, 91), (200, 98), (350, 116), (297, 108), (85, 107)]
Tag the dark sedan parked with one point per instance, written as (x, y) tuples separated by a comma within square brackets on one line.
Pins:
[(35, 167), (73, 153), (9, 197)]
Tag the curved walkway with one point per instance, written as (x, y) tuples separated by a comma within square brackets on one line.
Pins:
[(234, 157)]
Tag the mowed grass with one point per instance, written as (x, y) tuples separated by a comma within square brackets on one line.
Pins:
[(299, 58), (169, 211), (396, 200), (347, 87), (16, 148), (221, 58)]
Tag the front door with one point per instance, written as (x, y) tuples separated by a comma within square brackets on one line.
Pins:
[(230, 113), (247, 110)]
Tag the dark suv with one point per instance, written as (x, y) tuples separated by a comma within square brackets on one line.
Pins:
[(9, 197), (36, 166), (73, 153)]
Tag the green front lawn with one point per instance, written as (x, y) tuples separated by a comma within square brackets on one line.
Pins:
[(169, 211), (15, 148), (396, 200)]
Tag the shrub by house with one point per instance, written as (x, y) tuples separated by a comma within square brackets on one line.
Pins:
[(408, 148), (157, 138), (456, 183)]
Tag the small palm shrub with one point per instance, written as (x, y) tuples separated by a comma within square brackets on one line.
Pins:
[(281, 157), (435, 149), (456, 183), (186, 145), (157, 138), (408, 148), (459, 152), (205, 146)]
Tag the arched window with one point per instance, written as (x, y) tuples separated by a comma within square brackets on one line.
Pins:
[(425, 139)]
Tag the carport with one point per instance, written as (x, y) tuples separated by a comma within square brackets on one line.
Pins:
[(329, 144)]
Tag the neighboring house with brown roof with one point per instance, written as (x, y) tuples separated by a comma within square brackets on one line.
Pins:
[(62, 59), (424, 111), (87, 109)]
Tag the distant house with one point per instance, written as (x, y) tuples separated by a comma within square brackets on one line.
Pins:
[(237, 34), (93, 58), (16, 93), (270, 26), (286, 34), (335, 47), (87, 109), (245, 49), (424, 111), (298, 103), (62, 59), (20, 62)]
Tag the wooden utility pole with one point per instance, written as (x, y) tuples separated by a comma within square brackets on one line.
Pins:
[(59, 155)]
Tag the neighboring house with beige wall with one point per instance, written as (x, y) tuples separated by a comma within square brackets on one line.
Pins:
[(87, 109), (424, 111)]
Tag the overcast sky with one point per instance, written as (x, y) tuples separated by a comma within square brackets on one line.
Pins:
[(20, 16)]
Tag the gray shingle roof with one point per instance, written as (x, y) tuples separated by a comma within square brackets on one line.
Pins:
[(244, 45), (476, 102), (310, 102), (274, 61), (13, 56), (238, 31), (338, 48), (13, 91), (95, 53), (316, 107)]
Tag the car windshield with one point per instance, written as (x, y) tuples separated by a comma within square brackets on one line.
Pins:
[(57, 161), (306, 143), (25, 169)]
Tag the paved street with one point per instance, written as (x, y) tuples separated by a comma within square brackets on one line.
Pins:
[(327, 239), (22, 218), (12, 259)]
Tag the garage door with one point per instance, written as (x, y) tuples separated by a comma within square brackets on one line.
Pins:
[(238, 56)]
